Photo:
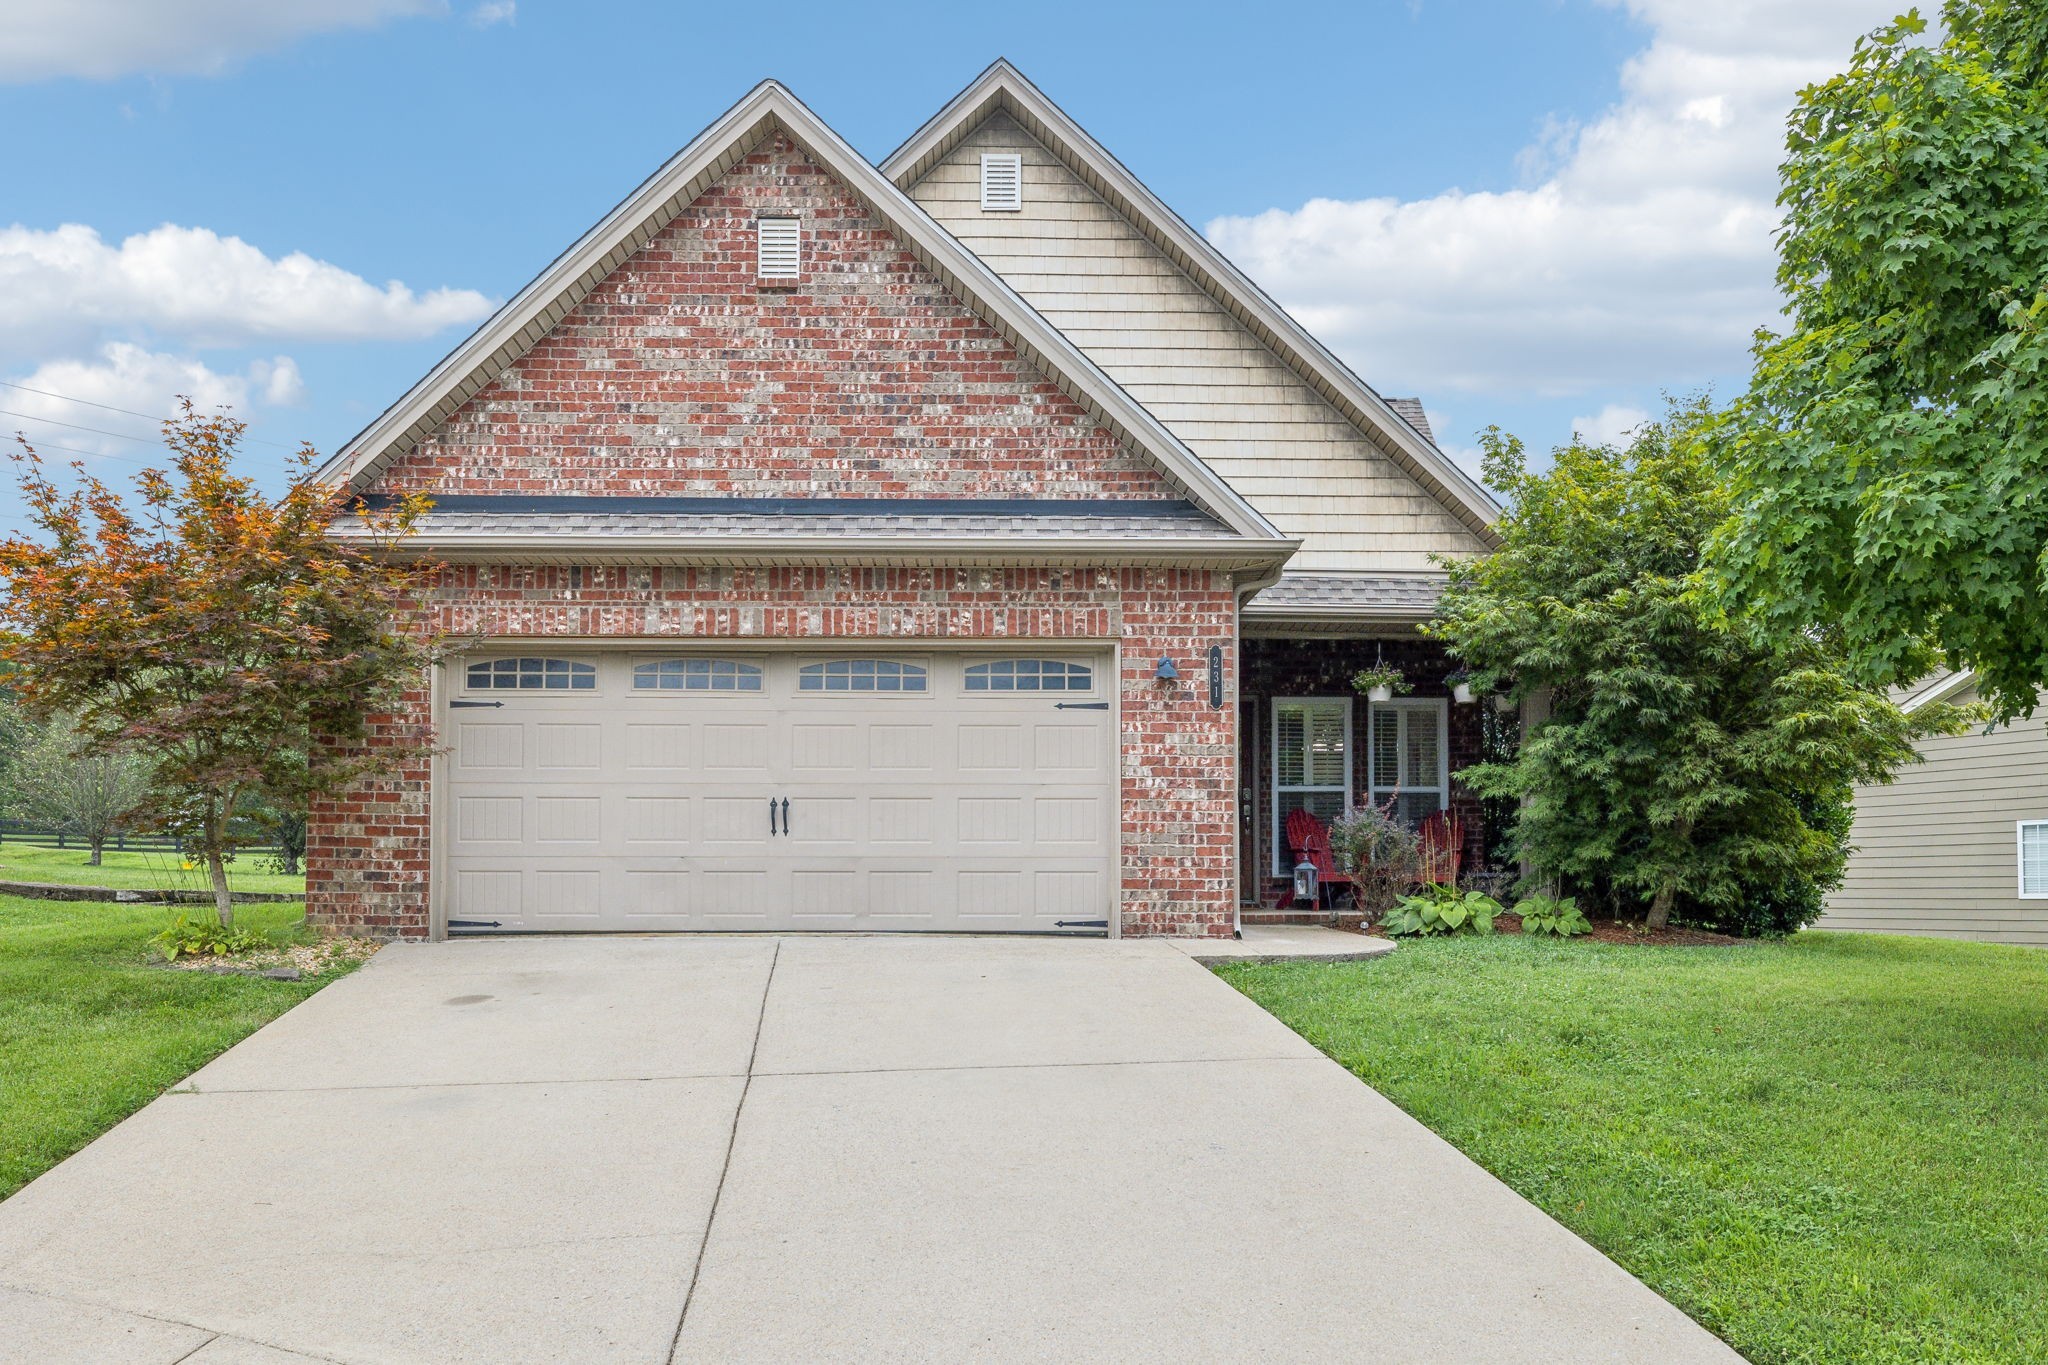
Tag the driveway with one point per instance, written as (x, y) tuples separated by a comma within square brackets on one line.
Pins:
[(793, 1149)]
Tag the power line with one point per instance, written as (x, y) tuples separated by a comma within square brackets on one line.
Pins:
[(125, 412), (95, 454), (97, 431)]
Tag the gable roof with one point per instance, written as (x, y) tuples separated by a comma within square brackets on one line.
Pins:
[(548, 298), (1395, 432)]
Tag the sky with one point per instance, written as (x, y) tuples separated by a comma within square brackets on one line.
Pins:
[(1537, 214)]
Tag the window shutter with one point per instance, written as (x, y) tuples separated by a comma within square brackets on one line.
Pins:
[(1002, 182), (778, 248)]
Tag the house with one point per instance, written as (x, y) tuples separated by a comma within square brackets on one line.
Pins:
[(955, 544), (1957, 846)]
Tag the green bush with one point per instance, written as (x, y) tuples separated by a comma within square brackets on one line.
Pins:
[(205, 936), (1556, 915), (1381, 855), (1442, 910)]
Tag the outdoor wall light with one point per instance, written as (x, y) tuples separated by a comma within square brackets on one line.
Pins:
[(1166, 672)]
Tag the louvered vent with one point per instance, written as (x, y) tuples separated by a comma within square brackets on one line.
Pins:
[(1002, 181), (778, 248)]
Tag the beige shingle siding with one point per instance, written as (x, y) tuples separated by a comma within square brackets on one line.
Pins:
[(1175, 349), (1937, 850)]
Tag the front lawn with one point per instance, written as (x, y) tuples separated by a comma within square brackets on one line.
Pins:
[(132, 871), (90, 1032), (1828, 1149)]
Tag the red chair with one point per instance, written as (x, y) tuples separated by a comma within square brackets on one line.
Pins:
[(1443, 848), (1308, 839)]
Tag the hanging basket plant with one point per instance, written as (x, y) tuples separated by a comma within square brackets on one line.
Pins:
[(1460, 684), (1380, 682)]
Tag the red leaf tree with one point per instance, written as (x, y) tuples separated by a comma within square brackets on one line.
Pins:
[(228, 635)]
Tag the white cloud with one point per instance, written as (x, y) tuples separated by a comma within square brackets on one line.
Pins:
[(1639, 254), (83, 405), (1610, 426), (494, 12), (65, 286), (103, 39)]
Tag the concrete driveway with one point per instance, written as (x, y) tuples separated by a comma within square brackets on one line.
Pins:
[(796, 1149)]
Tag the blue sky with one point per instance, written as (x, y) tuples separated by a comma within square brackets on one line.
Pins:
[(1533, 213)]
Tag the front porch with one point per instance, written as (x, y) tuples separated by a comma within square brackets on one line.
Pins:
[(1309, 741)]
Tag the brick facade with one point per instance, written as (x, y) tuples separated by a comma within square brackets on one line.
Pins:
[(680, 374), (368, 854), (1324, 668)]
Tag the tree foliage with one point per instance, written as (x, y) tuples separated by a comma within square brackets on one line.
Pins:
[(1891, 472), (215, 629), (1686, 755), (55, 782)]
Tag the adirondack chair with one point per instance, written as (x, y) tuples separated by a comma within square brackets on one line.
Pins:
[(1309, 838), (1443, 848)]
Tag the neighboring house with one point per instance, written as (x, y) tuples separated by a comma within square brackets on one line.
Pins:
[(959, 544), (1958, 845)]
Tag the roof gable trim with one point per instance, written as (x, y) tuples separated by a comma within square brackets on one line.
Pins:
[(544, 301), (1003, 87)]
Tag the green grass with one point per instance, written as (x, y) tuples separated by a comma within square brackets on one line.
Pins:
[(89, 1032), (1833, 1148), (132, 871)]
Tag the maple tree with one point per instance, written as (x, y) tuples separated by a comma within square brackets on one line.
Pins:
[(232, 638)]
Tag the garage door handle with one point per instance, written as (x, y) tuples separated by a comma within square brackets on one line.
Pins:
[(475, 703), (771, 815), (785, 815), (1080, 706)]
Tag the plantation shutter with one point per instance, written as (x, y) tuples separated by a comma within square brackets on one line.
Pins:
[(1406, 757), (1311, 764)]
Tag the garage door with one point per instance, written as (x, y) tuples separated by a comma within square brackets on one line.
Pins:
[(942, 792)]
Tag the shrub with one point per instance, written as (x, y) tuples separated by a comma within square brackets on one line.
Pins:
[(1556, 915), (206, 936), (1443, 910), (1382, 856)]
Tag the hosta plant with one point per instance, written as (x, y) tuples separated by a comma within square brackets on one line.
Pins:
[(1559, 916), (1442, 910), (205, 936)]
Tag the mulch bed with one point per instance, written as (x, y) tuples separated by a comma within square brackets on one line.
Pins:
[(291, 963), (1604, 931)]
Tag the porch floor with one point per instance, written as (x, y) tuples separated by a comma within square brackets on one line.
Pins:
[(1285, 942)]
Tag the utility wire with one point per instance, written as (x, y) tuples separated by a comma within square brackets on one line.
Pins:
[(109, 407)]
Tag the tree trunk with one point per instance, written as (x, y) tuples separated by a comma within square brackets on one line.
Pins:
[(1660, 908), (217, 873), (94, 860)]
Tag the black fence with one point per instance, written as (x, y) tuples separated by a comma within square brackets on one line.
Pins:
[(15, 832)]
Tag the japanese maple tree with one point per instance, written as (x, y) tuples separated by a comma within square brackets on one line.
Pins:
[(229, 636)]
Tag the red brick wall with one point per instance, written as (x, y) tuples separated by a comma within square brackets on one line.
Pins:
[(1324, 668), (367, 854), (680, 374)]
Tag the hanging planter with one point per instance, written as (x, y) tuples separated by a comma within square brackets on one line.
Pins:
[(1503, 703), (1380, 682), (1461, 688)]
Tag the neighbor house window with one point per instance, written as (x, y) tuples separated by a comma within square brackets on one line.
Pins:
[(778, 248), (696, 675), (2034, 859), (1311, 764), (531, 675), (1002, 182), (860, 675), (1406, 760), (1029, 675)]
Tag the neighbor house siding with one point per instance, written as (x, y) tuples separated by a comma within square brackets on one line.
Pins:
[(1936, 851), (369, 850), (1193, 365)]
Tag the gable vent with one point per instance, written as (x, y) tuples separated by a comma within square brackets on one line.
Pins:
[(778, 248), (1002, 181)]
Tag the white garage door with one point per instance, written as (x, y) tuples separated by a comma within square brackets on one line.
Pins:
[(911, 791)]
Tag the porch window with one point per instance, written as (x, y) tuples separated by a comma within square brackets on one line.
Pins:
[(1408, 758), (1311, 764)]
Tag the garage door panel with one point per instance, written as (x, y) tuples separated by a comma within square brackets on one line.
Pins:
[(636, 809)]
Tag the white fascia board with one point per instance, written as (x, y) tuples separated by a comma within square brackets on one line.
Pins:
[(1003, 85), (523, 319)]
